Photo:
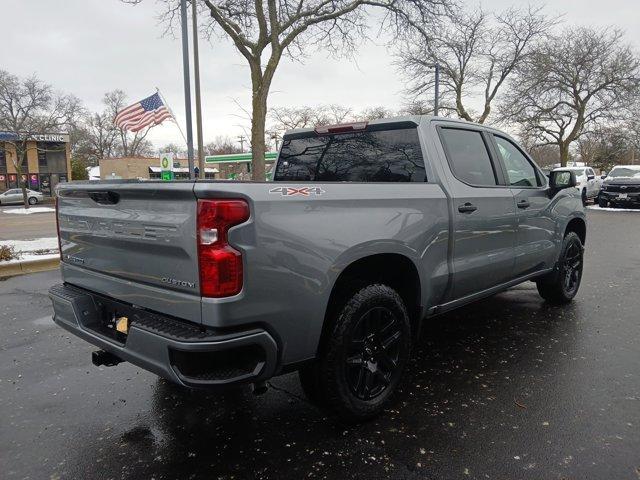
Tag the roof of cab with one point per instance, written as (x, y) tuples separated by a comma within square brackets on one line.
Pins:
[(417, 119)]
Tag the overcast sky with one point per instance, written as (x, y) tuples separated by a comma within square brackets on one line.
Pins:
[(88, 47)]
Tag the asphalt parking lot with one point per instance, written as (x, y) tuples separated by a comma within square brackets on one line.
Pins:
[(508, 388)]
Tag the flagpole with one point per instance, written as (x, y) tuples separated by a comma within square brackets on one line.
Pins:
[(175, 120)]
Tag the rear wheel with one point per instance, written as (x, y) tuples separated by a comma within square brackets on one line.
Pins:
[(362, 359), (32, 200), (562, 284)]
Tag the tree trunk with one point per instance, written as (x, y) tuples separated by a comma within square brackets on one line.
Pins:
[(564, 153), (20, 159), (258, 121)]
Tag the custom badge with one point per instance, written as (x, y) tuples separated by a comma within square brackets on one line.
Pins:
[(294, 191)]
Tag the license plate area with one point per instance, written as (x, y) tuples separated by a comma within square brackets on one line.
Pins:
[(623, 195), (108, 315)]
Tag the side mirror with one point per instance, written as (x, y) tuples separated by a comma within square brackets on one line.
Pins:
[(561, 180), (603, 176), (591, 177)]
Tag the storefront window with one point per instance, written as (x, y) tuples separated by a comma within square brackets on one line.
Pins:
[(52, 157), (42, 155)]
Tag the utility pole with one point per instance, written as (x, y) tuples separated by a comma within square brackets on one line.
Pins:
[(241, 139), (274, 137), (187, 82), (196, 79)]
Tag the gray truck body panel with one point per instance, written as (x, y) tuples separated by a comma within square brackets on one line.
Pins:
[(142, 250)]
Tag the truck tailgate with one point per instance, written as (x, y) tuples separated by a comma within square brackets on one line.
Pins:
[(133, 240)]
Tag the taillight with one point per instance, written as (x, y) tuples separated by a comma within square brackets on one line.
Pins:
[(220, 264), (58, 230)]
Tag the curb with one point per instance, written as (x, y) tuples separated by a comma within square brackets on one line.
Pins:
[(31, 266)]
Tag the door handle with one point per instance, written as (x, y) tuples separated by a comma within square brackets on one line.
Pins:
[(467, 208), (523, 204)]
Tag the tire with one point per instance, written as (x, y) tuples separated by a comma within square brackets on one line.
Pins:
[(584, 197), (362, 358), (602, 203), (562, 284), (32, 200)]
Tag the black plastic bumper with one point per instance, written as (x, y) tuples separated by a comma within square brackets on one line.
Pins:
[(179, 351), (614, 197)]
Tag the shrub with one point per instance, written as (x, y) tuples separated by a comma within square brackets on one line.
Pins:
[(7, 253)]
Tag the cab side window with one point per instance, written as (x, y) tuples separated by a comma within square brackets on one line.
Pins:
[(468, 156), (520, 171)]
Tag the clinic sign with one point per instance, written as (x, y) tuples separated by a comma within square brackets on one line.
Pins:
[(34, 137), (50, 137), (166, 166)]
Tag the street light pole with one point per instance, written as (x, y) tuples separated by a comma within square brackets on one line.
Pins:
[(436, 101), (196, 79), (187, 83)]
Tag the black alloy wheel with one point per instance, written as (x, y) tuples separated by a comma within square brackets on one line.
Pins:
[(561, 285), (572, 268), (373, 352)]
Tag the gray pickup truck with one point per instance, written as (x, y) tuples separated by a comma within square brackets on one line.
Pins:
[(368, 230)]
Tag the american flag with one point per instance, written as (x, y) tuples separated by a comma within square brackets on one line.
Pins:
[(148, 112)]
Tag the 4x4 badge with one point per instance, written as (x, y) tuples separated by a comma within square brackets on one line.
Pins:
[(293, 191)]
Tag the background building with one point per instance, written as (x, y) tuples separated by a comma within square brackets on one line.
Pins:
[(48, 162), (232, 167)]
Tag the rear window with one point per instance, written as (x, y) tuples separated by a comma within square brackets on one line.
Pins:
[(377, 156), (468, 156)]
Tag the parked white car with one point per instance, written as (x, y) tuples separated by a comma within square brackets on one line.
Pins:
[(587, 182), (14, 195)]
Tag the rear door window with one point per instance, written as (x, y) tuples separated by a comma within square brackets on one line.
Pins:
[(468, 156), (370, 156)]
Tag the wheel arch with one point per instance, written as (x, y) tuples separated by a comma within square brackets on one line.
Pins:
[(396, 270), (579, 227)]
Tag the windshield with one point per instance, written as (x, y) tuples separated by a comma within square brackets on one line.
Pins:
[(624, 172)]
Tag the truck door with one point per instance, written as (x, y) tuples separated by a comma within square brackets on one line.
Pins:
[(535, 248), (484, 217)]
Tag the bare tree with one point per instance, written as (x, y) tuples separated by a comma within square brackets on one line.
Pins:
[(222, 145), (27, 107), (374, 113), (572, 83), (177, 150), (476, 52), (264, 31), (95, 138), (607, 146), (287, 118)]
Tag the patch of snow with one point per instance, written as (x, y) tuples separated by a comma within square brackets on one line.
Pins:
[(47, 243), (28, 211), (610, 209), (27, 250)]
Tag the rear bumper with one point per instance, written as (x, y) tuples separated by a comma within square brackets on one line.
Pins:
[(179, 351)]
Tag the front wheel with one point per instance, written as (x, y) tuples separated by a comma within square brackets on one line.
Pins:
[(562, 284), (362, 358), (32, 200), (584, 197), (602, 203)]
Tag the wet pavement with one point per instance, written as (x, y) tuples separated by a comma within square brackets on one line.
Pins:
[(508, 388)]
